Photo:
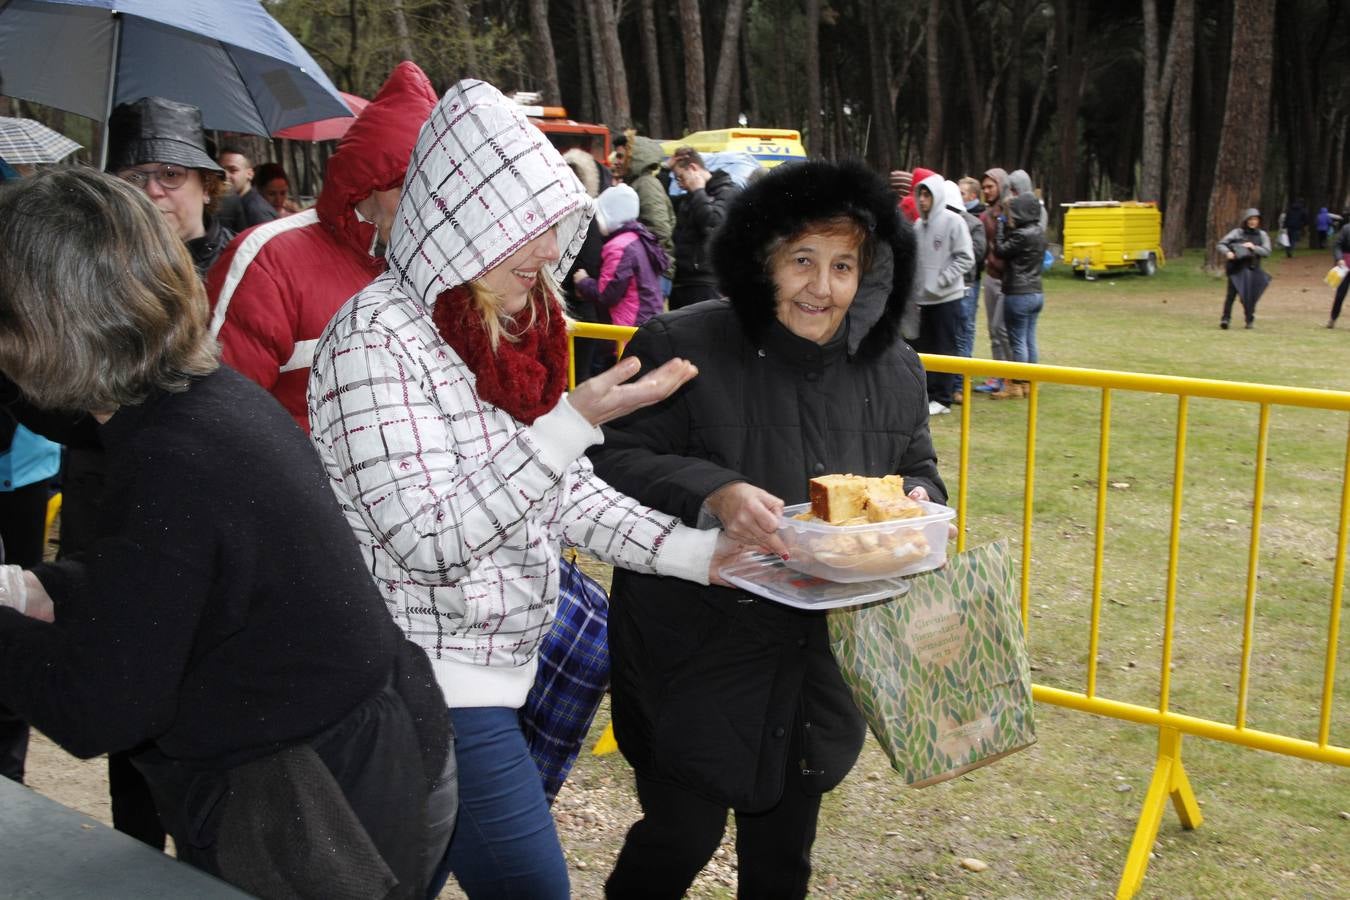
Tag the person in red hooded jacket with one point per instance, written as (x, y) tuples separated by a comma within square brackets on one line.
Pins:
[(276, 286), (909, 207)]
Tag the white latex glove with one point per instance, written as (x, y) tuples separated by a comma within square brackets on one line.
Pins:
[(13, 588), (22, 592)]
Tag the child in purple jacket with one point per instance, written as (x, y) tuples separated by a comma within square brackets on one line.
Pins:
[(631, 262)]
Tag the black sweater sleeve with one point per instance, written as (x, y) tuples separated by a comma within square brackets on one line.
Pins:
[(104, 676)]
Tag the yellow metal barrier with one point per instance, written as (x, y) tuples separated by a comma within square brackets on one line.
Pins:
[(1169, 776), (53, 510)]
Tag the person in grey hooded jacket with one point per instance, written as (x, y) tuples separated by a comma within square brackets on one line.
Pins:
[(1019, 182), (1242, 250), (944, 258)]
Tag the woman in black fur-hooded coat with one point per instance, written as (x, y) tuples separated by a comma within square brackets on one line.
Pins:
[(722, 700)]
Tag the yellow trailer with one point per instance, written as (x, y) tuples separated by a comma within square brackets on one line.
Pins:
[(1110, 235)]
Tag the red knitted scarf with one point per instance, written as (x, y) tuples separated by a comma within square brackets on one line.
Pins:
[(524, 377)]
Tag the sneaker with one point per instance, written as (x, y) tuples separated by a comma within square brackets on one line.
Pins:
[(1331, 323), (1250, 324), (957, 399), (991, 385), (937, 409), (1223, 323)]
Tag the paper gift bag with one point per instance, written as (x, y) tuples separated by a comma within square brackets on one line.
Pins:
[(941, 673)]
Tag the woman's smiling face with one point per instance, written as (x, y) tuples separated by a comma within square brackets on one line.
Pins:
[(815, 277), (514, 278)]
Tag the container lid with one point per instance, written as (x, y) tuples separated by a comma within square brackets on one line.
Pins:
[(766, 576)]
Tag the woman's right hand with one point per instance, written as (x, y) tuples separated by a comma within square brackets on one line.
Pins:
[(749, 516), (605, 396)]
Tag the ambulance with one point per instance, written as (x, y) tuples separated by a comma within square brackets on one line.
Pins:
[(770, 146)]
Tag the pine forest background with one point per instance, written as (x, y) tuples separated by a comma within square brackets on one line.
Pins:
[(1206, 106)]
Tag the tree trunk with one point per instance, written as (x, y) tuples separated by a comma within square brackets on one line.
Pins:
[(612, 68), (695, 89), (932, 147), (783, 107), (1071, 21), (883, 112), (722, 113), (671, 49), (459, 11), (651, 61), (1246, 120), (585, 62), (976, 114), (1181, 48), (1037, 101), (1150, 175), (815, 136), (404, 40), (1212, 52), (749, 83), (604, 82), (1012, 101), (545, 63)]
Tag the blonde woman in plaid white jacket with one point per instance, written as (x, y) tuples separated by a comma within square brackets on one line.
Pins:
[(436, 402)]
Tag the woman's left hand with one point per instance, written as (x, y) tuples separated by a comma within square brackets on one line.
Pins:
[(724, 553), (920, 493)]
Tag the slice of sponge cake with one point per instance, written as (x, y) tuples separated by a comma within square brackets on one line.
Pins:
[(837, 499)]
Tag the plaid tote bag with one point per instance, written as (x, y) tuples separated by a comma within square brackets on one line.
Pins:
[(941, 673), (572, 678)]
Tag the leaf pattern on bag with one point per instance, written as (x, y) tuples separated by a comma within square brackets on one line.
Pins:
[(941, 674)]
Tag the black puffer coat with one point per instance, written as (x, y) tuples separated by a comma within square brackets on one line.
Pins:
[(708, 682)]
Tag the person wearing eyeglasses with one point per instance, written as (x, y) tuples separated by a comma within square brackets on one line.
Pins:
[(158, 145)]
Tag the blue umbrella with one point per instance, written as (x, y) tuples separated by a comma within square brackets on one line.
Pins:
[(229, 58)]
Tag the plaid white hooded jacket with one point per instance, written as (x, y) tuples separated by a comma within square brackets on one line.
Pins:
[(461, 508)]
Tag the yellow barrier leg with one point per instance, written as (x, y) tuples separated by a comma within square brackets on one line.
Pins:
[(53, 509), (605, 743), (1169, 780)]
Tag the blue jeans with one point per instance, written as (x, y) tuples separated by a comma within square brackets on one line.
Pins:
[(1020, 312), (505, 844), (965, 333)]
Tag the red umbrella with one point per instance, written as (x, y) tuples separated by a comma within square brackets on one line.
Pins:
[(326, 129)]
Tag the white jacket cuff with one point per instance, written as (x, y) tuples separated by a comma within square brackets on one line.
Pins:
[(687, 553), (562, 434)]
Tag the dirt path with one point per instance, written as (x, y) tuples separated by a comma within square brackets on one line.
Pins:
[(1297, 289)]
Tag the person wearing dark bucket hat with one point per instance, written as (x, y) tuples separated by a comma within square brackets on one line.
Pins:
[(159, 146)]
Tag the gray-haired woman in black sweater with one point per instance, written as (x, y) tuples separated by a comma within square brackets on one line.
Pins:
[(223, 620)]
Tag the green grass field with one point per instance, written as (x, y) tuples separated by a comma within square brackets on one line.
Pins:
[(1057, 820)]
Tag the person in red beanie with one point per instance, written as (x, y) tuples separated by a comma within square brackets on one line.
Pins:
[(276, 286)]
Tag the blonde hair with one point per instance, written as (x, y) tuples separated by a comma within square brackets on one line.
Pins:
[(498, 324)]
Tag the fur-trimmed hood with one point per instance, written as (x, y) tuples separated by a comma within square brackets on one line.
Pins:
[(782, 203)]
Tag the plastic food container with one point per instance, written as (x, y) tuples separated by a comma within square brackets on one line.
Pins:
[(766, 576), (853, 553)]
